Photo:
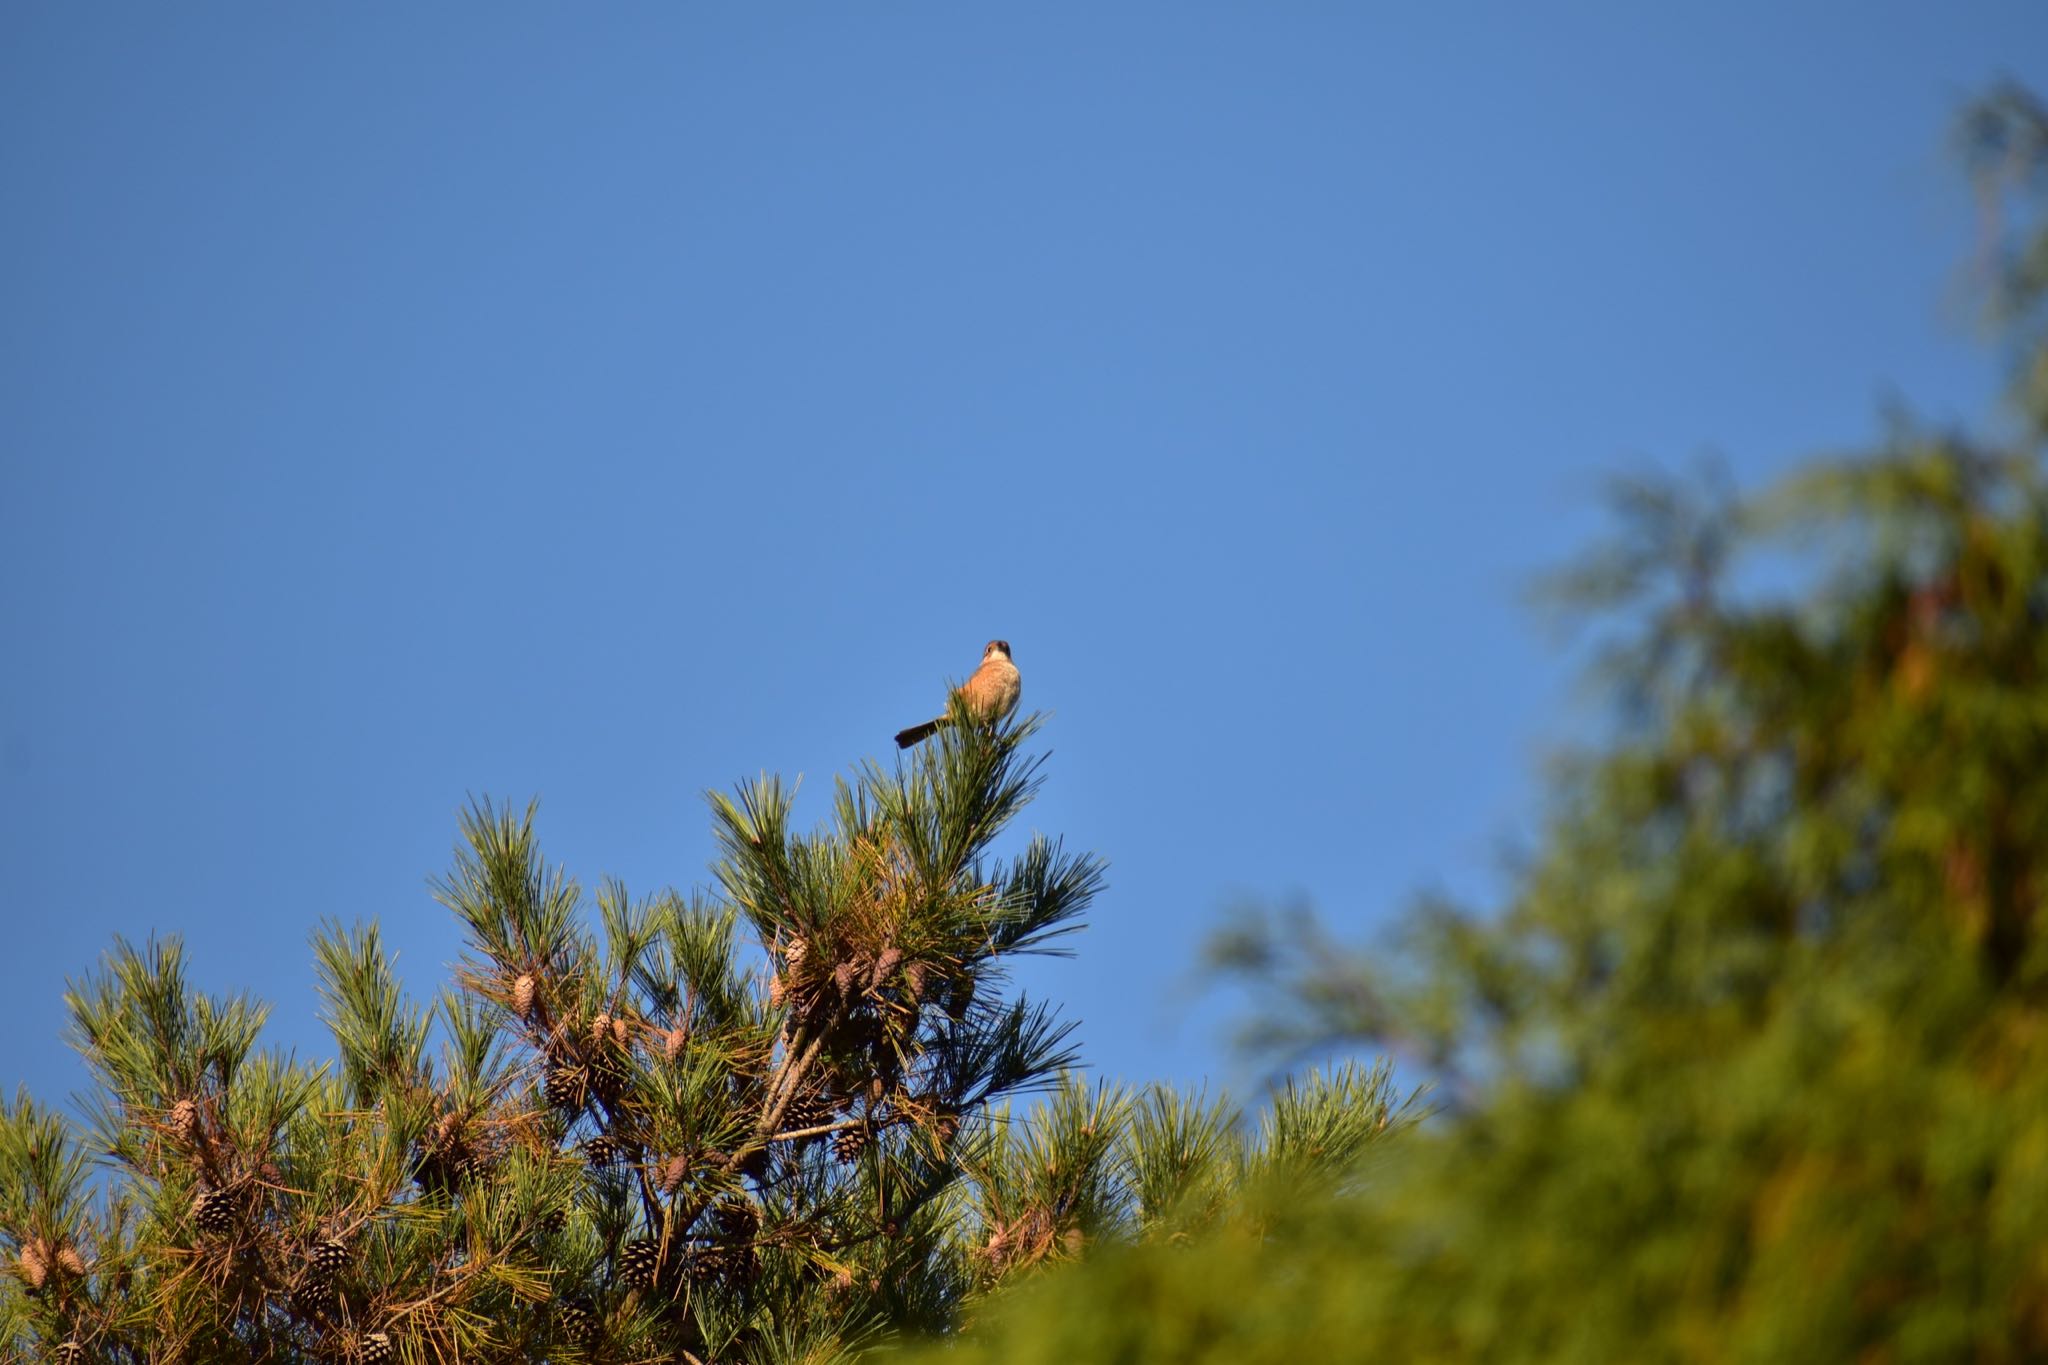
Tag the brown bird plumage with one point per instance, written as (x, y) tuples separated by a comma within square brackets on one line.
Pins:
[(990, 694)]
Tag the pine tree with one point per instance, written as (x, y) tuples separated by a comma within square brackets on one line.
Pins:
[(768, 1123), (733, 1125)]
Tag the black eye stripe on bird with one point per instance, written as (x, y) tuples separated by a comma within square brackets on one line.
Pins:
[(990, 693)]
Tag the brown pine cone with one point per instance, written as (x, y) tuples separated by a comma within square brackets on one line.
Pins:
[(34, 1266), (183, 1120), (566, 1086), (639, 1264), (213, 1211), (849, 1143)]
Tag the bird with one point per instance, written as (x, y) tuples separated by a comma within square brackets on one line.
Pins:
[(990, 694)]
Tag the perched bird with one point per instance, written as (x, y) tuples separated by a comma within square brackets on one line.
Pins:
[(990, 694)]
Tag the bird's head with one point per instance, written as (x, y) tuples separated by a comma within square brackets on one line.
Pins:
[(997, 649)]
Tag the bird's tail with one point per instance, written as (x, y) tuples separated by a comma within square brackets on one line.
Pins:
[(906, 738)]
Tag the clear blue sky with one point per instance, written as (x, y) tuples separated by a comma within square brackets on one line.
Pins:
[(605, 402)]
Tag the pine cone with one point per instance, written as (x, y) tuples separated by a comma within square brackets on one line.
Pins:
[(578, 1325), (70, 1352), (213, 1211), (444, 1168), (849, 1143), (69, 1262), (810, 1109), (640, 1263), (673, 1043), (327, 1259), (673, 1173), (566, 1087), (523, 990), (795, 953), (34, 1266), (843, 977), (603, 1150), (374, 1348), (778, 991), (738, 1220), (913, 981), (608, 1077), (998, 1248), (884, 966), (601, 1031), (183, 1120), (314, 1296)]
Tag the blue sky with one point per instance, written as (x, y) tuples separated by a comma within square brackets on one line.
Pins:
[(605, 403)]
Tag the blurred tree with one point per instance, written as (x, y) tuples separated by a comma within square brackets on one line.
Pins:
[(1754, 1064)]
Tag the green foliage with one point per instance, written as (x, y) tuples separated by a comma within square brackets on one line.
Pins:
[(1206, 1236)]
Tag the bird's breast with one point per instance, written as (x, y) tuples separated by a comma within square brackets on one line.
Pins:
[(994, 688)]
